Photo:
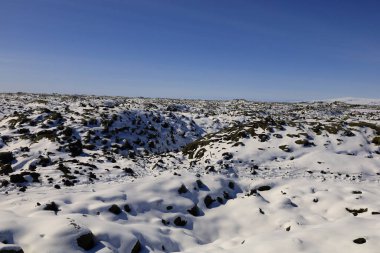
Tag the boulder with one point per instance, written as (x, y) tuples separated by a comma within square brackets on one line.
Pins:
[(182, 189), (11, 248), (6, 157), (6, 169), (115, 209), (360, 240), (180, 222), (86, 241), (137, 247)]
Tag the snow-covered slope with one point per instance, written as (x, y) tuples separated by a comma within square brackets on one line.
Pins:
[(357, 101), (115, 174)]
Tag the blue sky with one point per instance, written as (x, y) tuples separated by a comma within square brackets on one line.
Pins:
[(259, 50)]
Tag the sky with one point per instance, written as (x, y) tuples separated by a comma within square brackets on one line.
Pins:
[(210, 49)]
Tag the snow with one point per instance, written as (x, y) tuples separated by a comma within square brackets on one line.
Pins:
[(222, 176), (237, 225), (357, 101)]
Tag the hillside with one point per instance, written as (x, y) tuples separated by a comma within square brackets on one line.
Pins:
[(117, 174)]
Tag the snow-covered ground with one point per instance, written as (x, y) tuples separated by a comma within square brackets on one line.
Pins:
[(357, 101), (115, 174)]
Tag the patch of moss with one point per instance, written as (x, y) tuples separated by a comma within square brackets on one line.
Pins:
[(40, 101), (200, 153), (376, 140), (285, 148), (21, 119), (293, 135), (237, 144), (304, 142), (55, 116), (48, 134), (190, 148), (333, 129), (375, 127)]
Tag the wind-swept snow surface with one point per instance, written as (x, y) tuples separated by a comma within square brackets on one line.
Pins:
[(114, 174)]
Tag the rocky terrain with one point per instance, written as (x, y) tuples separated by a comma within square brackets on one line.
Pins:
[(117, 174)]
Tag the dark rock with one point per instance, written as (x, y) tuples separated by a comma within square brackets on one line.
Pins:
[(305, 143), (263, 137), (4, 183), (68, 182), (89, 146), (23, 131), (237, 144), (17, 178), (52, 207), (176, 108), (6, 169), (231, 185), (76, 148), (24, 149), (35, 176), (127, 208), (44, 161), (11, 250), (137, 247), (6, 157), (115, 209), (360, 240), (182, 189), (65, 170), (226, 195), (348, 133), (264, 188), (210, 168), (201, 185), (285, 148), (292, 203), (86, 241), (180, 222), (32, 167), (49, 134), (208, 200), (195, 211), (68, 131), (129, 171), (227, 156), (91, 175), (376, 140), (252, 192), (355, 212)]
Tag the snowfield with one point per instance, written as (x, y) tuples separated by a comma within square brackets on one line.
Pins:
[(116, 174)]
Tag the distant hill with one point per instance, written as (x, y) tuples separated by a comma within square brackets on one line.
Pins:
[(357, 101)]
